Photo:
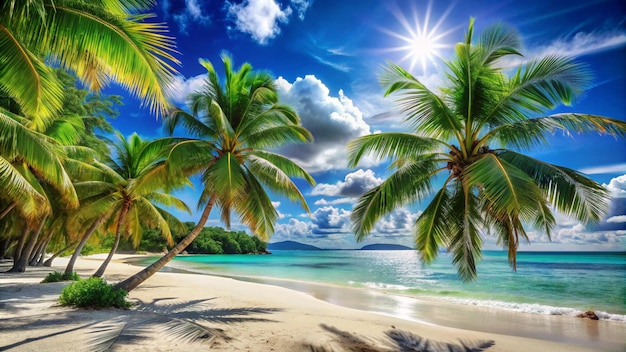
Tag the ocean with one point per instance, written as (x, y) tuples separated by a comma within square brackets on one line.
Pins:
[(551, 283)]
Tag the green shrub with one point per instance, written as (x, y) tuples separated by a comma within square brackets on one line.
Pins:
[(56, 276), (93, 293)]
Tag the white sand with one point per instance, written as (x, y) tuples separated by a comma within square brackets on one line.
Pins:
[(232, 315)]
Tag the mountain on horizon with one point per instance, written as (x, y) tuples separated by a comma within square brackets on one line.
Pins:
[(291, 246), (385, 247)]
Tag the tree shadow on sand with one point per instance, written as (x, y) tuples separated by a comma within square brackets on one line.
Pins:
[(396, 341), (180, 322)]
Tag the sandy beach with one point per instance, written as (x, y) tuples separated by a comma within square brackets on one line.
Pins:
[(176, 311)]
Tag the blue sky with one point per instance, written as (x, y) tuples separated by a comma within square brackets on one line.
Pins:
[(327, 55)]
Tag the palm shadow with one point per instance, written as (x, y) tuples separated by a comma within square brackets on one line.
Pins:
[(397, 341), (179, 321)]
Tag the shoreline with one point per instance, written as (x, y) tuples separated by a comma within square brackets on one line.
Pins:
[(253, 316), (434, 311), (309, 288)]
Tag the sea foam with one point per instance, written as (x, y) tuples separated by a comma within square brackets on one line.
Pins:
[(532, 308)]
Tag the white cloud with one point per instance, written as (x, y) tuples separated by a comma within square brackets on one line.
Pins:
[(334, 201), (617, 186), (354, 185), (295, 230), (579, 44), (329, 219), (617, 219), (333, 121), (280, 215), (259, 18), (398, 223), (191, 11), (301, 6), (181, 87), (604, 169)]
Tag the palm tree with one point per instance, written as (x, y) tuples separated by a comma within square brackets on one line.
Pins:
[(234, 125), (463, 133), (127, 191), (115, 43)]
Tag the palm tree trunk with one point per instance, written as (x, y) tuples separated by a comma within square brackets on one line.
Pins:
[(135, 280), (7, 210), (118, 235), (41, 254), (17, 252), (4, 245), (70, 265), (19, 266), (48, 262), (42, 242)]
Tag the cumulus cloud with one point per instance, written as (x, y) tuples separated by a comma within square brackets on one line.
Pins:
[(333, 121), (334, 201), (617, 186), (259, 18), (180, 88), (398, 223), (354, 185), (294, 230), (330, 220), (185, 12)]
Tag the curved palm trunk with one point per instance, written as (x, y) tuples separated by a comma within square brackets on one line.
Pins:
[(135, 280), (4, 245), (17, 252), (48, 262), (118, 235), (70, 265), (19, 265), (7, 210), (41, 254)]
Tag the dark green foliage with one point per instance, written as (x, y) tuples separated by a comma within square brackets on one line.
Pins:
[(56, 276), (212, 240), (93, 293), (229, 245)]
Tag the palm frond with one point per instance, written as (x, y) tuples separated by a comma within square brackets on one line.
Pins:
[(466, 241), (275, 137), (274, 178), (28, 79), (497, 41), (136, 52), (568, 190), (286, 165), (424, 110), (390, 145), (410, 183), (256, 210), (508, 189), (195, 127), (434, 226)]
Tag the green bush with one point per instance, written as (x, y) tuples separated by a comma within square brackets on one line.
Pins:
[(93, 293), (56, 276)]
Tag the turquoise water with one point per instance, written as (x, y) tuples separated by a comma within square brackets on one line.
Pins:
[(545, 283)]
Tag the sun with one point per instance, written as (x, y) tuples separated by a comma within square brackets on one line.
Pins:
[(421, 43)]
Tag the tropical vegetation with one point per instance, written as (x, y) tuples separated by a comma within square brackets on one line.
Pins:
[(235, 126), (42, 123), (93, 292), (464, 148)]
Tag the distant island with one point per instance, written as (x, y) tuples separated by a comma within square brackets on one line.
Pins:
[(291, 246), (385, 247)]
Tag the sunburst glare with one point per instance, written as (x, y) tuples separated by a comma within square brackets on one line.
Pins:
[(420, 42)]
